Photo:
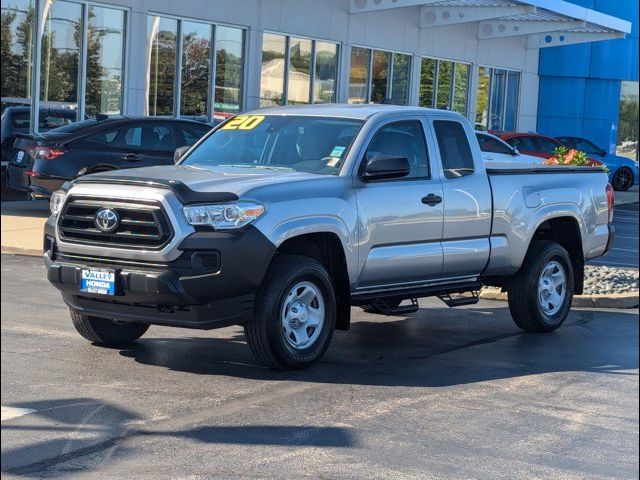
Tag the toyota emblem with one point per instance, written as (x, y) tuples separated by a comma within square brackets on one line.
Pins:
[(107, 220)]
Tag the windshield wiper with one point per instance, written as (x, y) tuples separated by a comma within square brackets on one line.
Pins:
[(261, 167)]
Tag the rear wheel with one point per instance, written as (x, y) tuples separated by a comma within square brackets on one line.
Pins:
[(622, 179), (107, 332), (295, 314), (540, 294)]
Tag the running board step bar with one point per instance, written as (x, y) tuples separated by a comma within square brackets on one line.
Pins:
[(459, 300), (385, 309)]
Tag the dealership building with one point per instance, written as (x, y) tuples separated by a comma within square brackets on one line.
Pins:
[(486, 59)]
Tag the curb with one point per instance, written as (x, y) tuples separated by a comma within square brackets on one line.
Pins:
[(611, 300), (25, 252)]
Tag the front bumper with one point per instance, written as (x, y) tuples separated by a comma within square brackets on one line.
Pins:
[(212, 284)]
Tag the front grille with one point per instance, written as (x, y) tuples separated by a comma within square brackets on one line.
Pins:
[(142, 225)]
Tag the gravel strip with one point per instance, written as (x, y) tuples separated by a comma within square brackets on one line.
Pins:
[(599, 280)]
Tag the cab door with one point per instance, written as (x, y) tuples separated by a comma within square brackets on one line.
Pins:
[(467, 200), (400, 220)]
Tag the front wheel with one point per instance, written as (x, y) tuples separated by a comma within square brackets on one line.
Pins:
[(295, 314), (107, 332), (540, 294)]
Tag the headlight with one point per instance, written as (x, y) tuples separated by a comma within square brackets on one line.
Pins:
[(56, 202), (223, 216)]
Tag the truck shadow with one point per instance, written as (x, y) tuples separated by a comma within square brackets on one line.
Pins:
[(432, 348), (84, 427)]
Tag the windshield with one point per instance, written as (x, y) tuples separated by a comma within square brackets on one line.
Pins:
[(295, 143)]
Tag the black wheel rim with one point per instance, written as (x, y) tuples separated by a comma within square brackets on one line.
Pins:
[(622, 180)]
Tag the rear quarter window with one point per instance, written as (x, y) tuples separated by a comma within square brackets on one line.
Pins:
[(455, 152)]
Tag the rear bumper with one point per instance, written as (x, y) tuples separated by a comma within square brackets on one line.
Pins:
[(40, 186), (212, 284)]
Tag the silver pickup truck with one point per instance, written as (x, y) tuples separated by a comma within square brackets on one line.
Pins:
[(282, 219)]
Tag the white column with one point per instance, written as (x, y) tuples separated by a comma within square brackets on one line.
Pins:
[(342, 95), (253, 69), (414, 86), (472, 99), (136, 65)]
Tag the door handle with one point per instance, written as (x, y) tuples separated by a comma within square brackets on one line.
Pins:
[(432, 199), (130, 157)]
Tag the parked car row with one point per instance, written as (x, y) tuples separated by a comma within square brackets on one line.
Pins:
[(42, 163), (63, 149), (623, 172)]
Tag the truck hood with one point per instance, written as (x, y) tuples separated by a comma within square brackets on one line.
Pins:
[(233, 180)]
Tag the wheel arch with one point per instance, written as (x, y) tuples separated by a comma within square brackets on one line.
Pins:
[(566, 231), (326, 248)]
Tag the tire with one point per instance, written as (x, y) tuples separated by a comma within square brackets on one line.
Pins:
[(291, 283), (622, 179), (103, 331), (372, 308), (532, 303)]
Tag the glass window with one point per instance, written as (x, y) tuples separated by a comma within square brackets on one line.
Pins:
[(460, 88), (498, 85), (586, 146), (17, 49), (491, 144), (193, 133), (443, 96), (324, 88), (229, 68), (272, 73), (60, 55), (401, 78), (402, 139), (105, 44), (50, 119), (455, 151), (163, 33), (288, 143), (196, 57), (105, 137), (150, 137), (379, 75), (627, 145), (511, 101), (497, 99), (359, 74), (482, 100), (427, 82), (299, 81), (545, 145)]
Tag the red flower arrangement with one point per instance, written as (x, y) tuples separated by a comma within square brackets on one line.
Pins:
[(577, 158)]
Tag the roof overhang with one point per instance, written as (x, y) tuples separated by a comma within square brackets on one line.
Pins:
[(545, 23)]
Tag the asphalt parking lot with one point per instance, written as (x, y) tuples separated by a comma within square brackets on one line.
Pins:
[(440, 394), (625, 248)]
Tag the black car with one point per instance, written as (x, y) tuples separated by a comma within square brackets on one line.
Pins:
[(16, 120), (42, 163)]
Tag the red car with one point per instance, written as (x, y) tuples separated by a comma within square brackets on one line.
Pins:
[(535, 144)]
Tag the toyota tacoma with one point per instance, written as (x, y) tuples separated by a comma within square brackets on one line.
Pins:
[(281, 220)]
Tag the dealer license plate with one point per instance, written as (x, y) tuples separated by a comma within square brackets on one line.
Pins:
[(101, 281)]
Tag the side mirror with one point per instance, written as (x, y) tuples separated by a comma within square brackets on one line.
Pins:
[(383, 167), (603, 153), (179, 153), (515, 152)]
